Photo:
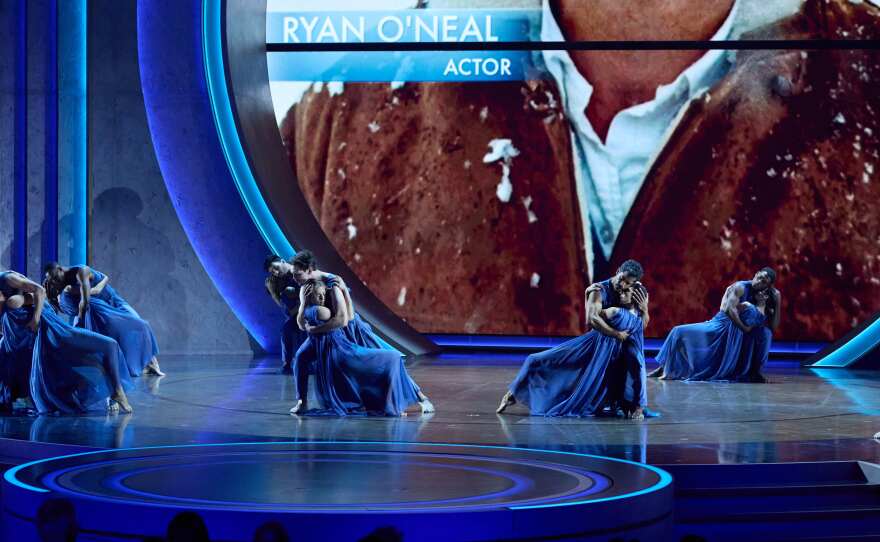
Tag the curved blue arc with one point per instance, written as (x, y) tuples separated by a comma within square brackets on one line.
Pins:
[(519, 483), (664, 478), (224, 120), (854, 349)]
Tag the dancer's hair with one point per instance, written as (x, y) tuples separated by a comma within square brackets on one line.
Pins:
[(310, 286), (632, 268), (270, 259), (771, 274), (304, 259), (51, 266)]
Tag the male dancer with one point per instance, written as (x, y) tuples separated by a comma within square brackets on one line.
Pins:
[(633, 395), (284, 289)]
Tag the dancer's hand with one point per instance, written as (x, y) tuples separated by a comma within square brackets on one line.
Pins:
[(623, 335), (641, 296), (595, 287)]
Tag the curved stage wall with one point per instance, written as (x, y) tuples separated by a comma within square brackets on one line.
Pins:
[(210, 177)]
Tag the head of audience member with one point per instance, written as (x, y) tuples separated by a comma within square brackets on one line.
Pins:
[(383, 534), (187, 527), (628, 274), (304, 264), (276, 266), (56, 521), (271, 532), (763, 279)]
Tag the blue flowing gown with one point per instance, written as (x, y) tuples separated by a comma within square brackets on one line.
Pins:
[(117, 320), (72, 370), (629, 375), (16, 348), (574, 378), (717, 349), (358, 330), (352, 379)]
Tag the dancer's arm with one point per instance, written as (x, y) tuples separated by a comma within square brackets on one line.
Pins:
[(729, 305), (300, 313), (98, 288), (270, 287), (84, 288), (595, 321), (24, 284), (340, 283), (777, 308), (337, 321), (641, 297)]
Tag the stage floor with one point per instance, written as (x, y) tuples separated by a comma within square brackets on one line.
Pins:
[(802, 415)]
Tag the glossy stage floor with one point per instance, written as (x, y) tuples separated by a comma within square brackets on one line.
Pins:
[(802, 415), (215, 435)]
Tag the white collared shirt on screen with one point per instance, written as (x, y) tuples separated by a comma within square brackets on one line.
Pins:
[(608, 175)]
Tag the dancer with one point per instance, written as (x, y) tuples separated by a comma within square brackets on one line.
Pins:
[(284, 289), (72, 369), (18, 325), (351, 379), (79, 292), (575, 377), (630, 377), (734, 345), (305, 268)]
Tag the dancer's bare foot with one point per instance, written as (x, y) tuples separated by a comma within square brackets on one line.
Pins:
[(635, 414), (300, 406), (656, 373), (152, 368), (286, 369), (112, 406), (122, 400), (506, 401), (426, 404)]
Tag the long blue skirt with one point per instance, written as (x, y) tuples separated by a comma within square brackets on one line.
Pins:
[(354, 380), (16, 351), (121, 323), (73, 370), (571, 379), (713, 350)]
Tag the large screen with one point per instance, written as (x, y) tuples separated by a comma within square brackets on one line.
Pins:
[(481, 191)]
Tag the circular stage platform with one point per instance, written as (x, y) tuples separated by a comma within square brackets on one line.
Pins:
[(343, 490)]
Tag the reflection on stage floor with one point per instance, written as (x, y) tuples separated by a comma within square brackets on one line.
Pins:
[(802, 415)]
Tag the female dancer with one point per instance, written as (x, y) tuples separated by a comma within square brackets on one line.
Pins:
[(351, 379), (73, 293), (733, 345), (358, 331), (574, 378), (72, 369)]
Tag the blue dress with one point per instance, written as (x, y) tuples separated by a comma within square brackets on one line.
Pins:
[(113, 317), (16, 348), (629, 375), (717, 349), (72, 370), (352, 379), (358, 330), (575, 377)]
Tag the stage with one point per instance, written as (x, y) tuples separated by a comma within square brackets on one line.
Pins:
[(803, 443), (801, 415)]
